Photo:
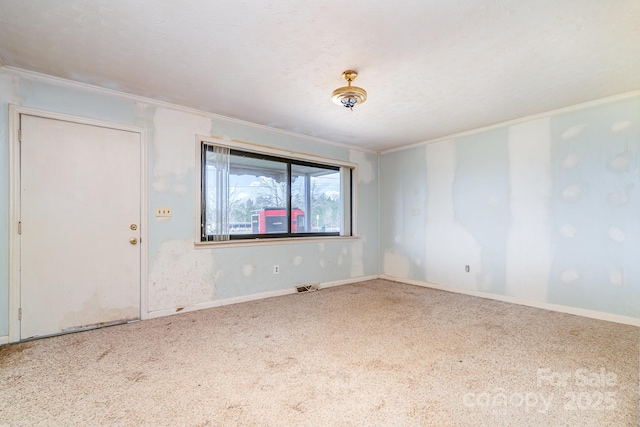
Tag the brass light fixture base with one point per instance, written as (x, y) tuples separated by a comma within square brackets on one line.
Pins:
[(348, 96), (350, 75)]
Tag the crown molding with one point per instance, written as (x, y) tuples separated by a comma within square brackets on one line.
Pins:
[(163, 104), (532, 117)]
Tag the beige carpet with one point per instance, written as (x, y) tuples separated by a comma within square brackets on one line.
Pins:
[(373, 353)]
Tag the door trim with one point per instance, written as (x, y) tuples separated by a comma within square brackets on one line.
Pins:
[(15, 112)]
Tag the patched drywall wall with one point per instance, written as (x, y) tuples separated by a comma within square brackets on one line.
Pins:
[(544, 211), (180, 277), (404, 207), (448, 244), (481, 202), (595, 202), (528, 251), (179, 274)]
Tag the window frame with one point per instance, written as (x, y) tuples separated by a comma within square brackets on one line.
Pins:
[(348, 193)]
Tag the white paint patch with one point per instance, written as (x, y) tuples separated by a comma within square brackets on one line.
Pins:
[(572, 193), (297, 260), (340, 259), (570, 161), (322, 262), (448, 245), (616, 234), (174, 141), (620, 126), (321, 247), (397, 239), (395, 264), (573, 131), (619, 198), (528, 265), (160, 185), (568, 230), (248, 269), (344, 250), (180, 189), (620, 163), (616, 278), (366, 171), (181, 276), (569, 276), (417, 261), (357, 258)]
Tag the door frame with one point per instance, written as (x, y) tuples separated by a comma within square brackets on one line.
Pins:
[(15, 113)]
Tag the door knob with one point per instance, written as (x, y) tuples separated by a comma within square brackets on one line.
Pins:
[(133, 240)]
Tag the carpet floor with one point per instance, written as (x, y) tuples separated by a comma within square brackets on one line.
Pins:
[(372, 353)]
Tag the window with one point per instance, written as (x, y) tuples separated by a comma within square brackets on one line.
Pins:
[(252, 195)]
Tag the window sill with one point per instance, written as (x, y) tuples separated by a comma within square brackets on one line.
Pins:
[(271, 242)]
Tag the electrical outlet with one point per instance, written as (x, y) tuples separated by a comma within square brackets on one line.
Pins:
[(276, 269), (164, 211)]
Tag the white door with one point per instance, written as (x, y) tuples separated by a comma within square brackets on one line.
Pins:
[(80, 202)]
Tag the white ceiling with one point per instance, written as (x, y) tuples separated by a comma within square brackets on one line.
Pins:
[(431, 67)]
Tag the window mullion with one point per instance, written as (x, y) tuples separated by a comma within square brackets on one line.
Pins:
[(289, 204), (203, 193)]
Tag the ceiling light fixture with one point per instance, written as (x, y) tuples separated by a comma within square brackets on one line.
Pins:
[(348, 96)]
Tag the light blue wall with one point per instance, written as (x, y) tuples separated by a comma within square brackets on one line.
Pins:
[(402, 212), (481, 199), (179, 274), (599, 198), (546, 211)]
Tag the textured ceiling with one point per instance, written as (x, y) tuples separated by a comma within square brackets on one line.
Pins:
[(431, 67)]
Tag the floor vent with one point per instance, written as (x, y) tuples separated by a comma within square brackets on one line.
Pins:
[(307, 288)]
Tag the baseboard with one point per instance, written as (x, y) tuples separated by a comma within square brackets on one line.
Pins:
[(609, 317), (247, 298), (4, 339), (218, 303), (348, 281)]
